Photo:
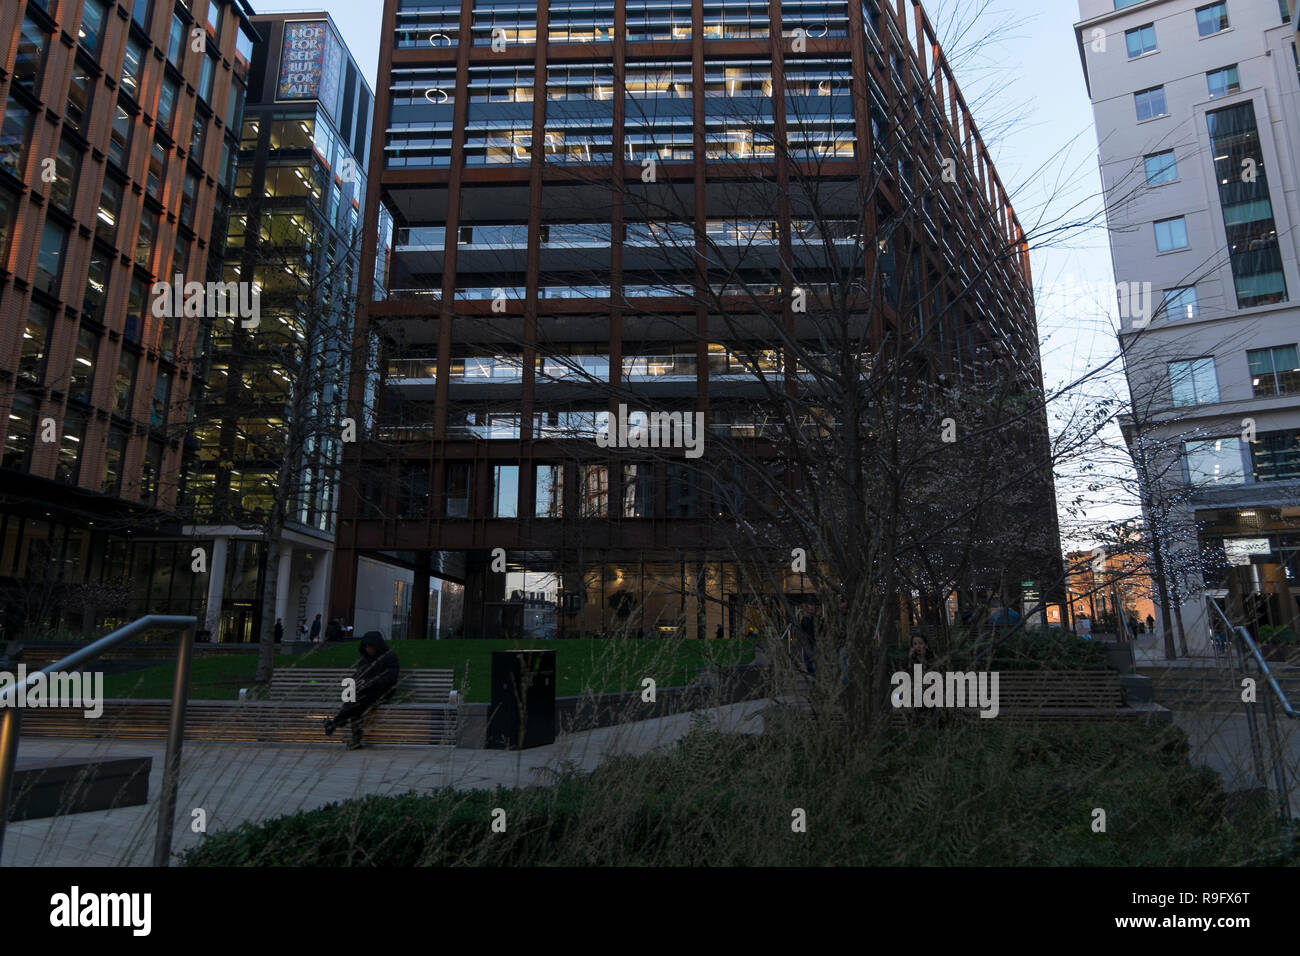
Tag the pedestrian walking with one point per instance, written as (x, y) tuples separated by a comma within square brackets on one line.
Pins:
[(315, 630)]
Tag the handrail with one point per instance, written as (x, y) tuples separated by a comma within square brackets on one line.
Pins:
[(1279, 766), (1259, 659), (9, 720)]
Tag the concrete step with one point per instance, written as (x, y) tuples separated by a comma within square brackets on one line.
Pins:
[(303, 723)]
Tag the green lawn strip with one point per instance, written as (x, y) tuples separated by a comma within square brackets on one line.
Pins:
[(585, 666)]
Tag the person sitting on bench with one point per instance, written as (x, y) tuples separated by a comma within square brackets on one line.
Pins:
[(376, 675)]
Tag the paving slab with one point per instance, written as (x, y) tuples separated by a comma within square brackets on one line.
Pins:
[(234, 782)]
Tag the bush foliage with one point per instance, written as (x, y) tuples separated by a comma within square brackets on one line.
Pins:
[(985, 796)]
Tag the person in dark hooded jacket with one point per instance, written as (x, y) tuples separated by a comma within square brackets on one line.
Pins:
[(376, 675)]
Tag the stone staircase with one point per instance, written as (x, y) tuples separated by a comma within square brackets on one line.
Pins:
[(1211, 690)]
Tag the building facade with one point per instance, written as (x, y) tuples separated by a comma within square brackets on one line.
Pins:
[(266, 431), (1197, 108), (118, 144), (561, 192)]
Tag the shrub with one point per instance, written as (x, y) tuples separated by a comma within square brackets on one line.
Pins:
[(1275, 634), (988, 796)]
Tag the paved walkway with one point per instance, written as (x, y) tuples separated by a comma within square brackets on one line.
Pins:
[(233, 783)]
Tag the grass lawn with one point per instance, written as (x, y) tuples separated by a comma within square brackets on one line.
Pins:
[(585, 666)]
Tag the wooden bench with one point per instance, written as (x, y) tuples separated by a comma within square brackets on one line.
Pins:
[(1050, 696), (286, 722), (325, 685)]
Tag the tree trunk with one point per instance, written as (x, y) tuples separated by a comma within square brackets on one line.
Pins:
[(270, 585), (1162, 589)]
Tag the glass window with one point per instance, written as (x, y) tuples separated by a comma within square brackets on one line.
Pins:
[(638, 491), (110, 205), (166, 104), (91, 32), (1150, 103), (505, 491), (549, 501), (1247, 208), (8, 212), (214, 17), (157, 174), (180, 255), (189, 196), (1180, 303), (1215, 462), (206, 73), (49, 260), (1171, 234), (235, 107), (67, 164), (145, 238), (140, 11), (1161, 168), (1140, 40), (1276, 456), (124, 387), (681, 486), (593, 491), (21, 429), (15, 133), (198, 132), (92, 303), (36, 341), (1194, 382), (243, 54), (1224, 81), (81, 92), (1211, 19), (456, 491), (1284, 8), (158, 411), (132, 67), (137, 306), (114, 452), (32, 44), (119, 142), (67, 466), (176, 42), (153, 457), (1274, 371)]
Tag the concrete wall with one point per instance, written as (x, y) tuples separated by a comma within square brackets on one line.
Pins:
[(1260, 46), (374, 599)]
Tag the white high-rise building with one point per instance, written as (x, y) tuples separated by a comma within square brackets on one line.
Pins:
[(1197, 107)]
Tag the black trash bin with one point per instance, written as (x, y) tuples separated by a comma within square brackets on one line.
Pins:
[(523, 700)]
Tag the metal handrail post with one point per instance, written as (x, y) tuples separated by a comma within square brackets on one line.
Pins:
[(9, 719), (9, 726), (162, 849), (1252, 724), (1275, 752)]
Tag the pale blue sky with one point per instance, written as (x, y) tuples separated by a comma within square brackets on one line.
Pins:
[(1026, 88)]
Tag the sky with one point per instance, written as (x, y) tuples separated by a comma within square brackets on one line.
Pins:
[(1017, 63)]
